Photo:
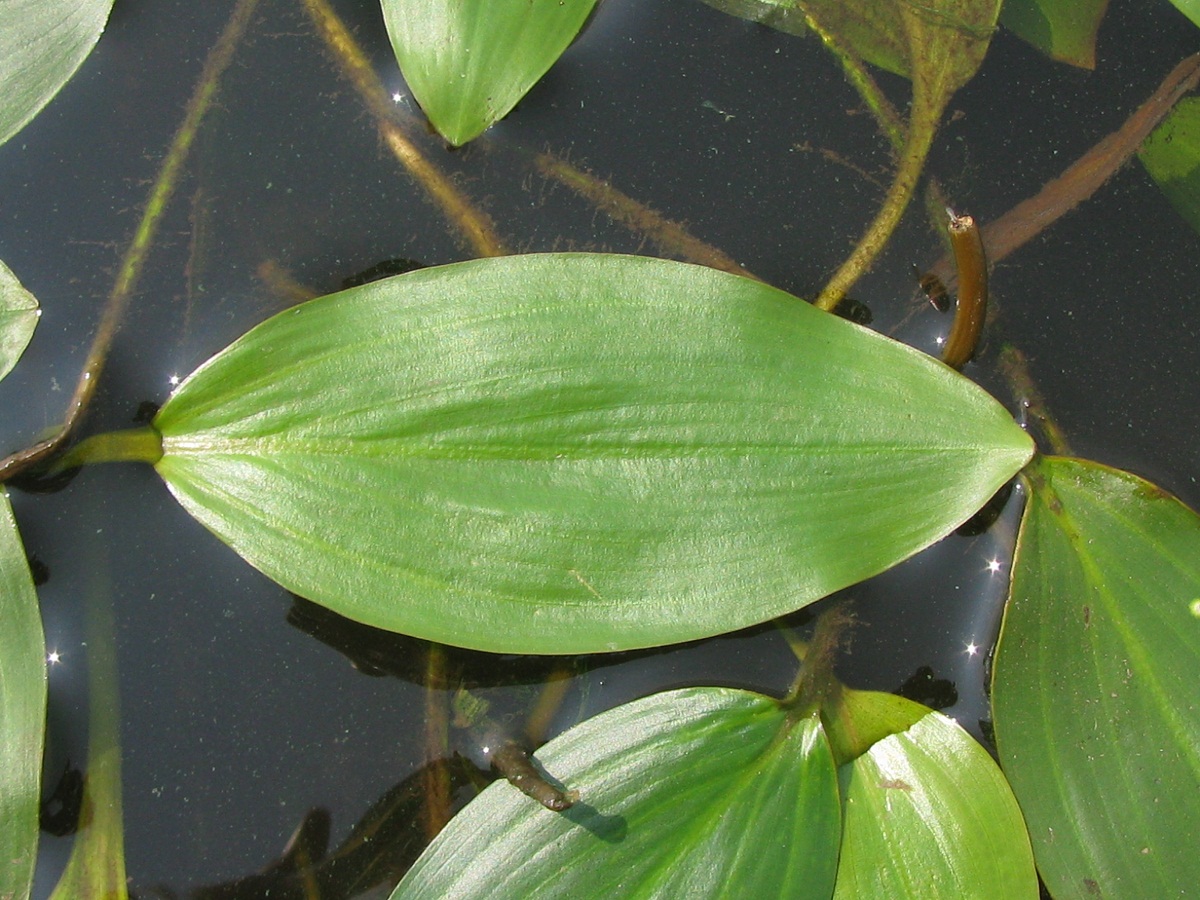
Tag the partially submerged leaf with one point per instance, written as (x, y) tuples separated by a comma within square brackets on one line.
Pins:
[(1172, 157), (689, 793), (943, 41), (22, 711), (571, 453), (468, 62), (1062, 29), (928, 814), (1095, 694), (42, 43), (18, 317), (788, 18)]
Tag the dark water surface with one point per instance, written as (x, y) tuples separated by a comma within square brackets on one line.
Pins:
[(235, 723)]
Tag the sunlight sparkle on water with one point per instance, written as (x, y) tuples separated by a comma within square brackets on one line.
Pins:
[(993, 566), (972, 649), (54, 657), (173, 380)]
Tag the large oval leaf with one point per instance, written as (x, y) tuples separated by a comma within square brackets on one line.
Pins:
[(42, 43), (18, 317), (702, 792), (1095, 691), (576, 453), (22, 711), (468, 62), (928, 814)]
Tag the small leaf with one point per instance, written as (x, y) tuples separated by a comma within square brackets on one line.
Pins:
[(1062, 29), (856, 720), (1172, 157), (570, 453), (928, 814), (468, 62), (1095, 691), (18, 317), (42, 43), (22, 711), (690, 793)]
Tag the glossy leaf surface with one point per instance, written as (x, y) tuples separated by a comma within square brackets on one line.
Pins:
[(18, 317), (468, 62), (42, 43), (22, 711), (1095, 695), (1172, 157), (575, 453), (683, 794), (928, 814), (1062, 29)]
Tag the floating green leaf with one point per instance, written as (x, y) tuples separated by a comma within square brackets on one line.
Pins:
[(468, 62), (18, 317), (22, 711), (1172, 157), (1095, 691), (571, 453), (1062, 29), (42, 43), (928, 814), (693, 793)]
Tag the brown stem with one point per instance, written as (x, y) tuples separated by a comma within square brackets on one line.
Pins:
[(670, 236), (512, 761), (435, 811), (1084, 176), (971, 309), (475, 226)]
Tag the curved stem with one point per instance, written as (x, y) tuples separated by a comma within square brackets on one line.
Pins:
[(670, 236), (1083, 177), (475, 226), (134, 260), (922, 125)]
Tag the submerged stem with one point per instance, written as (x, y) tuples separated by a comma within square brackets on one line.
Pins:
[(926, 112), (475, 226), (670, 236), (1015, 367), (1083, 177), (134, 260), (435, 778)]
